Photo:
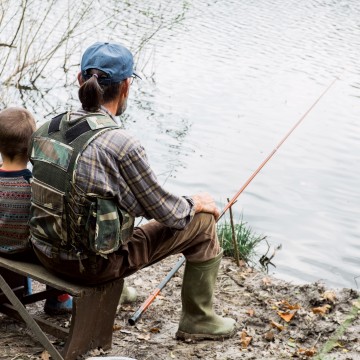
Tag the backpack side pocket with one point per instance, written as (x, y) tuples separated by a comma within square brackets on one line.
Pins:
[(47, 221), (104, 226)]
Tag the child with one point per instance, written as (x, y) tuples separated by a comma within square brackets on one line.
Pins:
[(16, 127)]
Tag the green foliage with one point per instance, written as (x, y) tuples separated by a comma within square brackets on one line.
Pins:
[(245, 238)]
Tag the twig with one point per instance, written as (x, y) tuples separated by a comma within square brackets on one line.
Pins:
[(21, 21), (317, 340), (7, 45), (355, 277), (236, 251)]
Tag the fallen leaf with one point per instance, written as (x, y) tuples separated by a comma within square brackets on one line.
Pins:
[(287, 316), (329, 296), (321, 309), (266, 281), (287, 305), (144, 337), (116, 327), (269, 336), (307, 352), (155, 330), (251, 312), (277, 325), (245, 340), (45, 355)]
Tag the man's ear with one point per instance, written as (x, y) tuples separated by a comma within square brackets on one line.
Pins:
[(80, 79), (125, 87)]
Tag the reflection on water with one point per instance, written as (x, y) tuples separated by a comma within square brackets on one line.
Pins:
[(223, 83)]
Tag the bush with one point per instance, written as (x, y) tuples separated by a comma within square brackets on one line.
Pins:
[(246, 240)]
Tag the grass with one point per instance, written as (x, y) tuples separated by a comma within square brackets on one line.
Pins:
[(239, 240)]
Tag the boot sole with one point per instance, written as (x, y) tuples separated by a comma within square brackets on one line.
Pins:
[(181, 335)]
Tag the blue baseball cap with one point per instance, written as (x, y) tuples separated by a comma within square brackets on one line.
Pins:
[(114, 59)]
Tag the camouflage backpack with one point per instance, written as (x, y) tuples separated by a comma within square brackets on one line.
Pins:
[(61, 213)]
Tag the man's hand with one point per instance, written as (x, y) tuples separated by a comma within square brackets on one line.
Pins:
[(204, 202)]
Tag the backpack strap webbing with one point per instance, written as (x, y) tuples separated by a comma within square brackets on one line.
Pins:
[(55, 123)]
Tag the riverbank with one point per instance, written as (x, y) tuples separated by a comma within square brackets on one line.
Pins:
[(275, 320)]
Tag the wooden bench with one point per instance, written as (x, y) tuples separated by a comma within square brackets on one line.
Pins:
[(93, 314)]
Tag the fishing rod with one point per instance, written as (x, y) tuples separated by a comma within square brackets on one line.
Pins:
[(152, 296)]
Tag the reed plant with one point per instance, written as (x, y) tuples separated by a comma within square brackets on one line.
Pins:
[(239, 240)]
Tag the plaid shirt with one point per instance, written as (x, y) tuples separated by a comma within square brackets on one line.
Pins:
[(115, 165)]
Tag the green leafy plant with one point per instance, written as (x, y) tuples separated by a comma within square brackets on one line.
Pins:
[(246, 240)]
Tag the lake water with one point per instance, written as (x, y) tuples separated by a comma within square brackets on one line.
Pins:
[(223, 83)]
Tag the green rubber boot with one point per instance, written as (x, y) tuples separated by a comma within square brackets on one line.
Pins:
[(198, 320)]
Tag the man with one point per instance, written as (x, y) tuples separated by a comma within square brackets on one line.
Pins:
[(92, 178)]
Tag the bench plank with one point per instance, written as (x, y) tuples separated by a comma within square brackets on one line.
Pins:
[(39, 273)]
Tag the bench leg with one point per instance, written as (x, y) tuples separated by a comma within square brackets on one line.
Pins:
[(92, 321), (15, 281), (31, 323)]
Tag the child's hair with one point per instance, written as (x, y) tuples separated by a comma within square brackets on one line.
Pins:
[(16, 127)]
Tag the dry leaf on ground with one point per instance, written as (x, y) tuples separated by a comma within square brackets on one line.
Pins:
[(287, 316), (277, 325), (45, 355), (250, 312), (266, 281), (287, 305), (269, 336), (144, 337), (245, 339), (307, 352), (322, 310), (154, 330), (329, 296)]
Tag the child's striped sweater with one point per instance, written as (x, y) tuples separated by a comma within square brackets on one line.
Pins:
[(15, 194)]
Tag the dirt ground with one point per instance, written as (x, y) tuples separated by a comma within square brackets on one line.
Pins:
[(275, 320)]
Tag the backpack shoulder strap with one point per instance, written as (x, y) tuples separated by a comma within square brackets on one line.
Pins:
[(58, 142)]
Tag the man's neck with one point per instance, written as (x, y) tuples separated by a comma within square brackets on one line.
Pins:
[(107, 111), (110, 107)]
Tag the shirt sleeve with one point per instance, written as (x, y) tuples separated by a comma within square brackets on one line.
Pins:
[(155, 202)]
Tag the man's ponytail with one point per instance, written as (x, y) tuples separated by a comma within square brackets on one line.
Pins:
[(91, 94)]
